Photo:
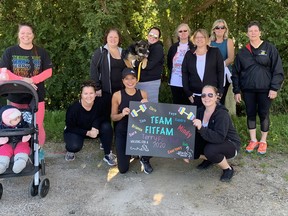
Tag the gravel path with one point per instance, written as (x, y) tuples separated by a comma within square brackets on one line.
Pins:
[(88, 186)]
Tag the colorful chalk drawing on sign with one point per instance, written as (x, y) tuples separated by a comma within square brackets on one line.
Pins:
[(162, 130)]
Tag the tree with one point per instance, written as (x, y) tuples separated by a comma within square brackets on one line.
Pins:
[(70, 30)]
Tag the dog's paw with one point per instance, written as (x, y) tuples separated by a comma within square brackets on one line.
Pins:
[(128, 63), (144, 63)]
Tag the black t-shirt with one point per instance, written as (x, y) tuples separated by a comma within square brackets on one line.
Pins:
[(26, 63), (79, 120), (117, 65)]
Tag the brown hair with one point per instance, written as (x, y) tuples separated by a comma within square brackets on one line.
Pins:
[(156, 28), (110, 30), (32, 29), (212, 87), (87, 83), (254, 23)]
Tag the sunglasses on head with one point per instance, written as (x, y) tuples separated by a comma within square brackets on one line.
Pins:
[(153, 35), (220, 27), (180, 31), (210, 95)]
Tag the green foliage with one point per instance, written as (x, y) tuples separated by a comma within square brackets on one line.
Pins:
[(54, 125), (165, 95), (70, 30)]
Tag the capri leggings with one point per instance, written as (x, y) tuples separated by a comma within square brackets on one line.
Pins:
[(39, 119), (74, 142), (257, 102), (216, 152)]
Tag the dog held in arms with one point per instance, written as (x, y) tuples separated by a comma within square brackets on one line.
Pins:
[(138, 51)]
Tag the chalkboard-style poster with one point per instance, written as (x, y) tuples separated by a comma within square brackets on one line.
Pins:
[(162, 130)]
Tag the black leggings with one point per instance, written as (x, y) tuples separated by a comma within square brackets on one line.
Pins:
[(178, 96), (257, 102), (74, 142), (226, 88), (123, 160), (214, 152)]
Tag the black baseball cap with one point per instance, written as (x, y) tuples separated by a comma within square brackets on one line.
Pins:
[(128, 71)]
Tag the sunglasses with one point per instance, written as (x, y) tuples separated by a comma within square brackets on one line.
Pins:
[(210, 95), (153, 35), (220, 27), (180, 31)]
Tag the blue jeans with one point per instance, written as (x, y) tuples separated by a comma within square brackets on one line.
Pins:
[(74, 142)]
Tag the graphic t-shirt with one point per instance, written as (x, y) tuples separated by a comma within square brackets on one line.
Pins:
[(176, 76), (27, 63)]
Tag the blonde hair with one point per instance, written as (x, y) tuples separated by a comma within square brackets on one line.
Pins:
[(211, 87), (203, 32), (213, 36), (182, 25)]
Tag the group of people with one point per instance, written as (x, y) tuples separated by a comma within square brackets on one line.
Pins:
[(200, 73)]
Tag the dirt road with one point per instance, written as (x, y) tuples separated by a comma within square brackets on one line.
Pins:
[(88, 186)]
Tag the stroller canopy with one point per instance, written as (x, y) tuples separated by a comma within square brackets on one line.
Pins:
[(21, 89)]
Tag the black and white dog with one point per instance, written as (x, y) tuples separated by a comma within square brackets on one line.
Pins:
[(137, 51)]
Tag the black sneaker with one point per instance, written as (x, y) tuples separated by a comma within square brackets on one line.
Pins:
[(227, 175), (110, 159), (204, 165), (147, 168), (70, 156)]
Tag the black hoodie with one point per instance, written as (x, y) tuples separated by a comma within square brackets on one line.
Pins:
[(220, 127)]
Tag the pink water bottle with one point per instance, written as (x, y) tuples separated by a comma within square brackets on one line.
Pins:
[(4, 74)]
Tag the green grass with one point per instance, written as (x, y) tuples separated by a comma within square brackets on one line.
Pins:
[(54, 124), (278, 133), (277, 138)]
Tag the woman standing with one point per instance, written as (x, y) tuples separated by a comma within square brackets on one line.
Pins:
[(175, 58), (120, 112), (88, 118), (219, 38), (31, 64), (150, 78), (106, 64), (217, 139), (201, 66), (258, 74)]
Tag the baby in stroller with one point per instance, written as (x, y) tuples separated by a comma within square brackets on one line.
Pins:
[(18, 146)]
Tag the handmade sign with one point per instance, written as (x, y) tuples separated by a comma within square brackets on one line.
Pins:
[(162, 130)]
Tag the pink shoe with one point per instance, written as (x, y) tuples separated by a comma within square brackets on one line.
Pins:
[(251, 146), (262, 148)]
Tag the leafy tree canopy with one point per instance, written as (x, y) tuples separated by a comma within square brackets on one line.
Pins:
[(70, 30)]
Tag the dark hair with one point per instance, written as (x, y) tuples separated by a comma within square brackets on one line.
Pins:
[(25, 24), (32, 29), (117, 31), (158, 29), (254, 23), (87, 83)]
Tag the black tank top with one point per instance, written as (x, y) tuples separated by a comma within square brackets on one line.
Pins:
[(125, 99)]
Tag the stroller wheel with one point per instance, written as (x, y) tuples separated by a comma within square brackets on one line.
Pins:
[(33, 189), (1, 190), (44, 187)]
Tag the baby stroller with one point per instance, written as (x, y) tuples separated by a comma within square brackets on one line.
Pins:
[(12, 89)]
